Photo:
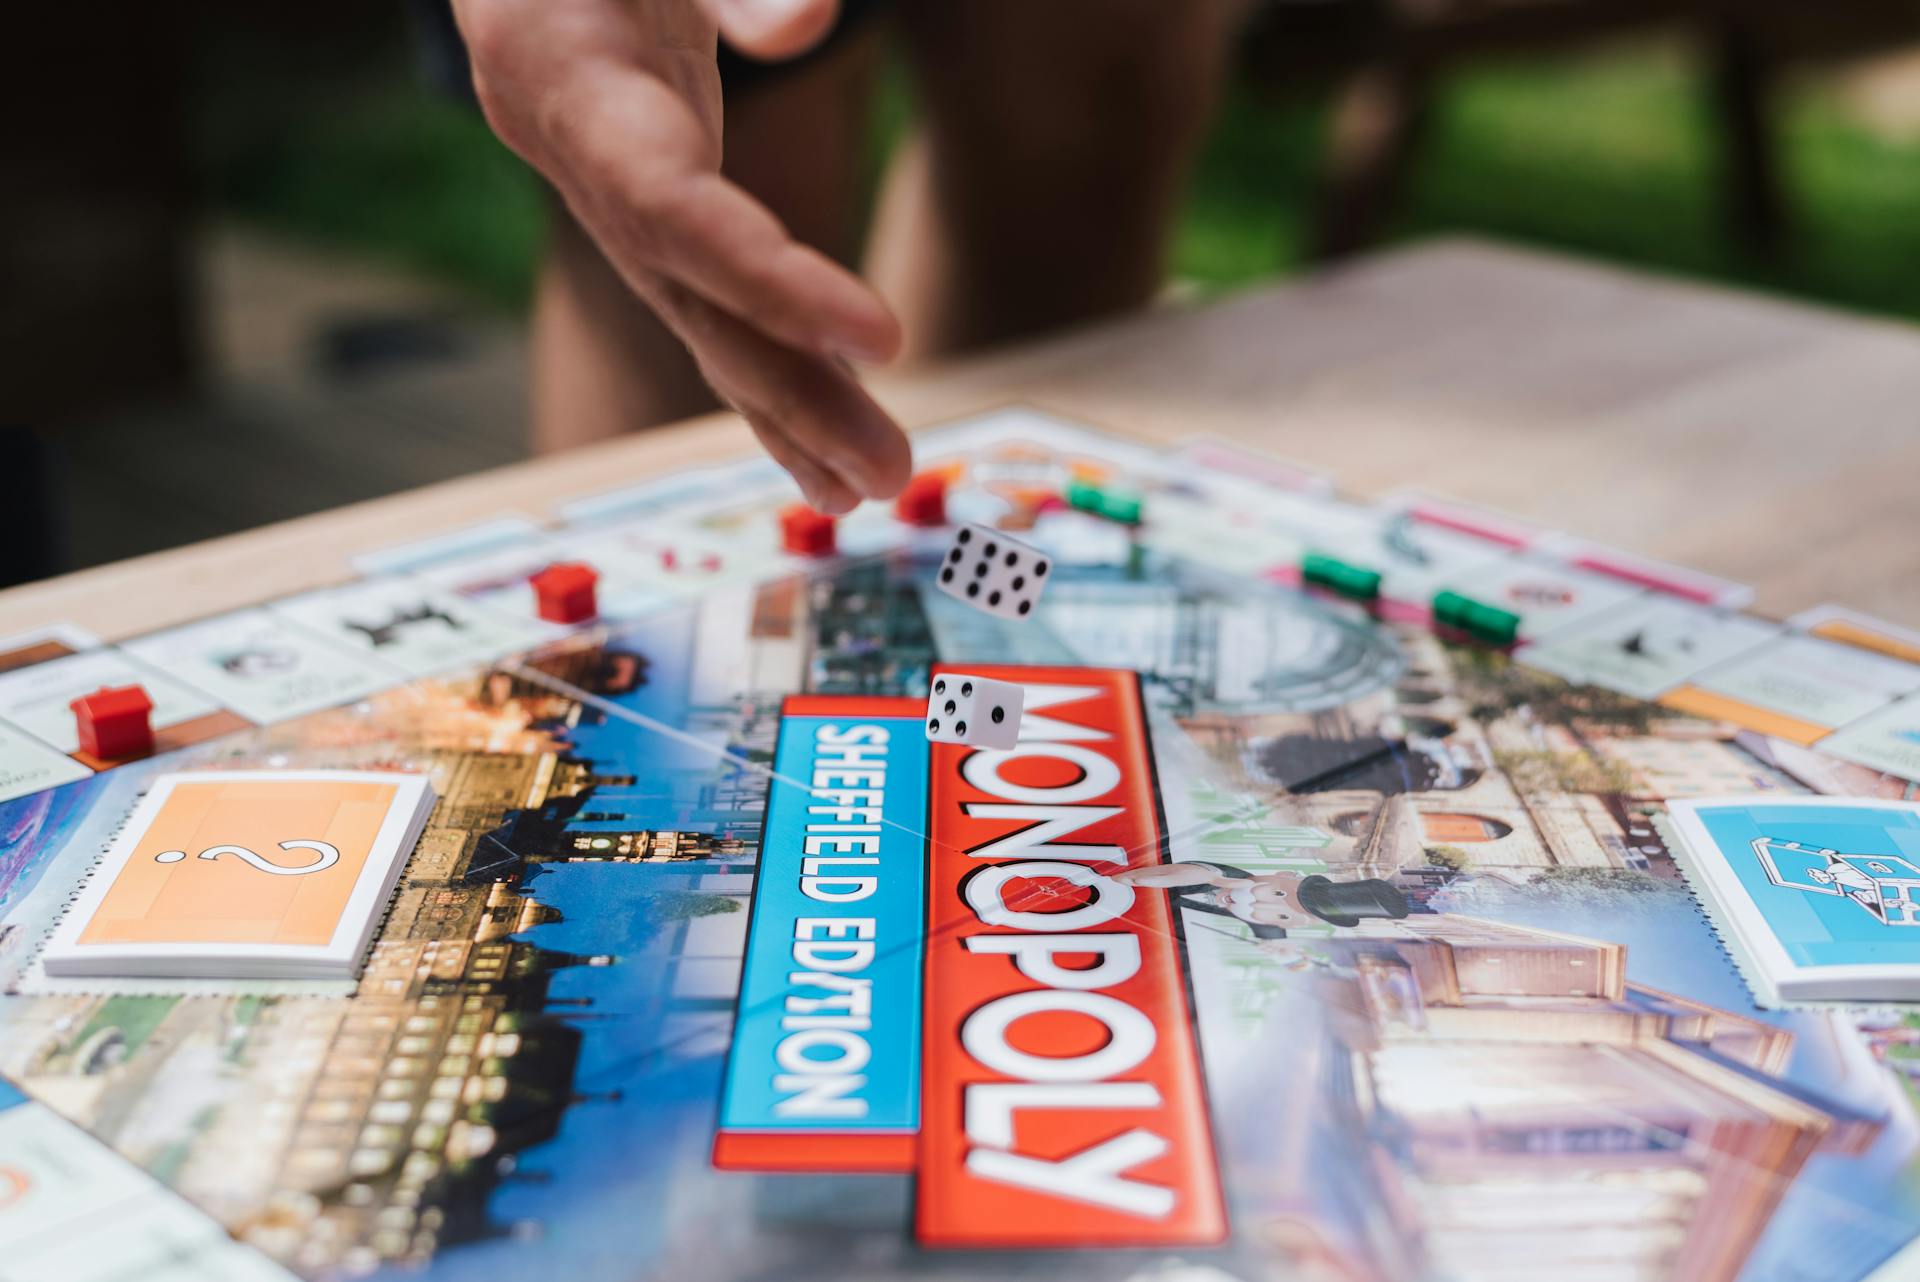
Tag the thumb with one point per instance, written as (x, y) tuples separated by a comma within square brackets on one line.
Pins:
[(772, 30)]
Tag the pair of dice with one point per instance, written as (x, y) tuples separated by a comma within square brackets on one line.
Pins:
[(977, 711), (1001, 576)]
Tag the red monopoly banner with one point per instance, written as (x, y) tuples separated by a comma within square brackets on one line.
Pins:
[(1062, 1099)]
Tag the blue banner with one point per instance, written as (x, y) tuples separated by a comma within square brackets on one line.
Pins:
[(827, 1034)]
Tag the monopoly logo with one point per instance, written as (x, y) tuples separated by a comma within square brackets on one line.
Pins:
[(1062, 1100)]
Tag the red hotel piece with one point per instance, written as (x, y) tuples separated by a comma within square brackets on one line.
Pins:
[(805, 532), (565, 592), (114, 722), (924, 501)]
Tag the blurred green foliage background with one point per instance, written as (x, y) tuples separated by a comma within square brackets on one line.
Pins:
[(1609, 153)]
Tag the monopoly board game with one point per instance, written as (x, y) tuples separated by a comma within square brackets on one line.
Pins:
[(1295, 939)]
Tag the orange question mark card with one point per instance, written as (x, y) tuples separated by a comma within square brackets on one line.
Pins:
[(244, 861)]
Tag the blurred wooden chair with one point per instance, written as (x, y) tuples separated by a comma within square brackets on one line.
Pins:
[(1388, 55)]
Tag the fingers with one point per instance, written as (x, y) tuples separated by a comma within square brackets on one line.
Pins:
[(643, 184), (813, 417), (724, 244), (633, 146), (821, 491), (772, 30)]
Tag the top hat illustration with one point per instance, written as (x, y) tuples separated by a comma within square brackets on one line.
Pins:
[(1344, 903)]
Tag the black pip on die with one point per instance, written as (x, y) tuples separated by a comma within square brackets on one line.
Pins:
[(974, 710), (988, 570)]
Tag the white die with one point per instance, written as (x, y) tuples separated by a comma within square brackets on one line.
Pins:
[(992, 572), (974, 710)]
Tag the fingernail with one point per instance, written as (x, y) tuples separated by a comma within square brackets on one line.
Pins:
[(751, 19), (845, 348), (817, 500)]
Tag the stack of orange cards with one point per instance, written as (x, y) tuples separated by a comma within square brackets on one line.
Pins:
[(246, 875)]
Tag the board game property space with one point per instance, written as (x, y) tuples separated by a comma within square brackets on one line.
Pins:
[(1299, 936)]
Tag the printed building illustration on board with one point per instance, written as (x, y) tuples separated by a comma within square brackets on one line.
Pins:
[(1659, 1129)]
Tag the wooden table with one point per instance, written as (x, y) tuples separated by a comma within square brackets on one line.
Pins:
[(1767, 442)]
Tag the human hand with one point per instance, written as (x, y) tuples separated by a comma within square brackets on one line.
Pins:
[(617, 103)]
